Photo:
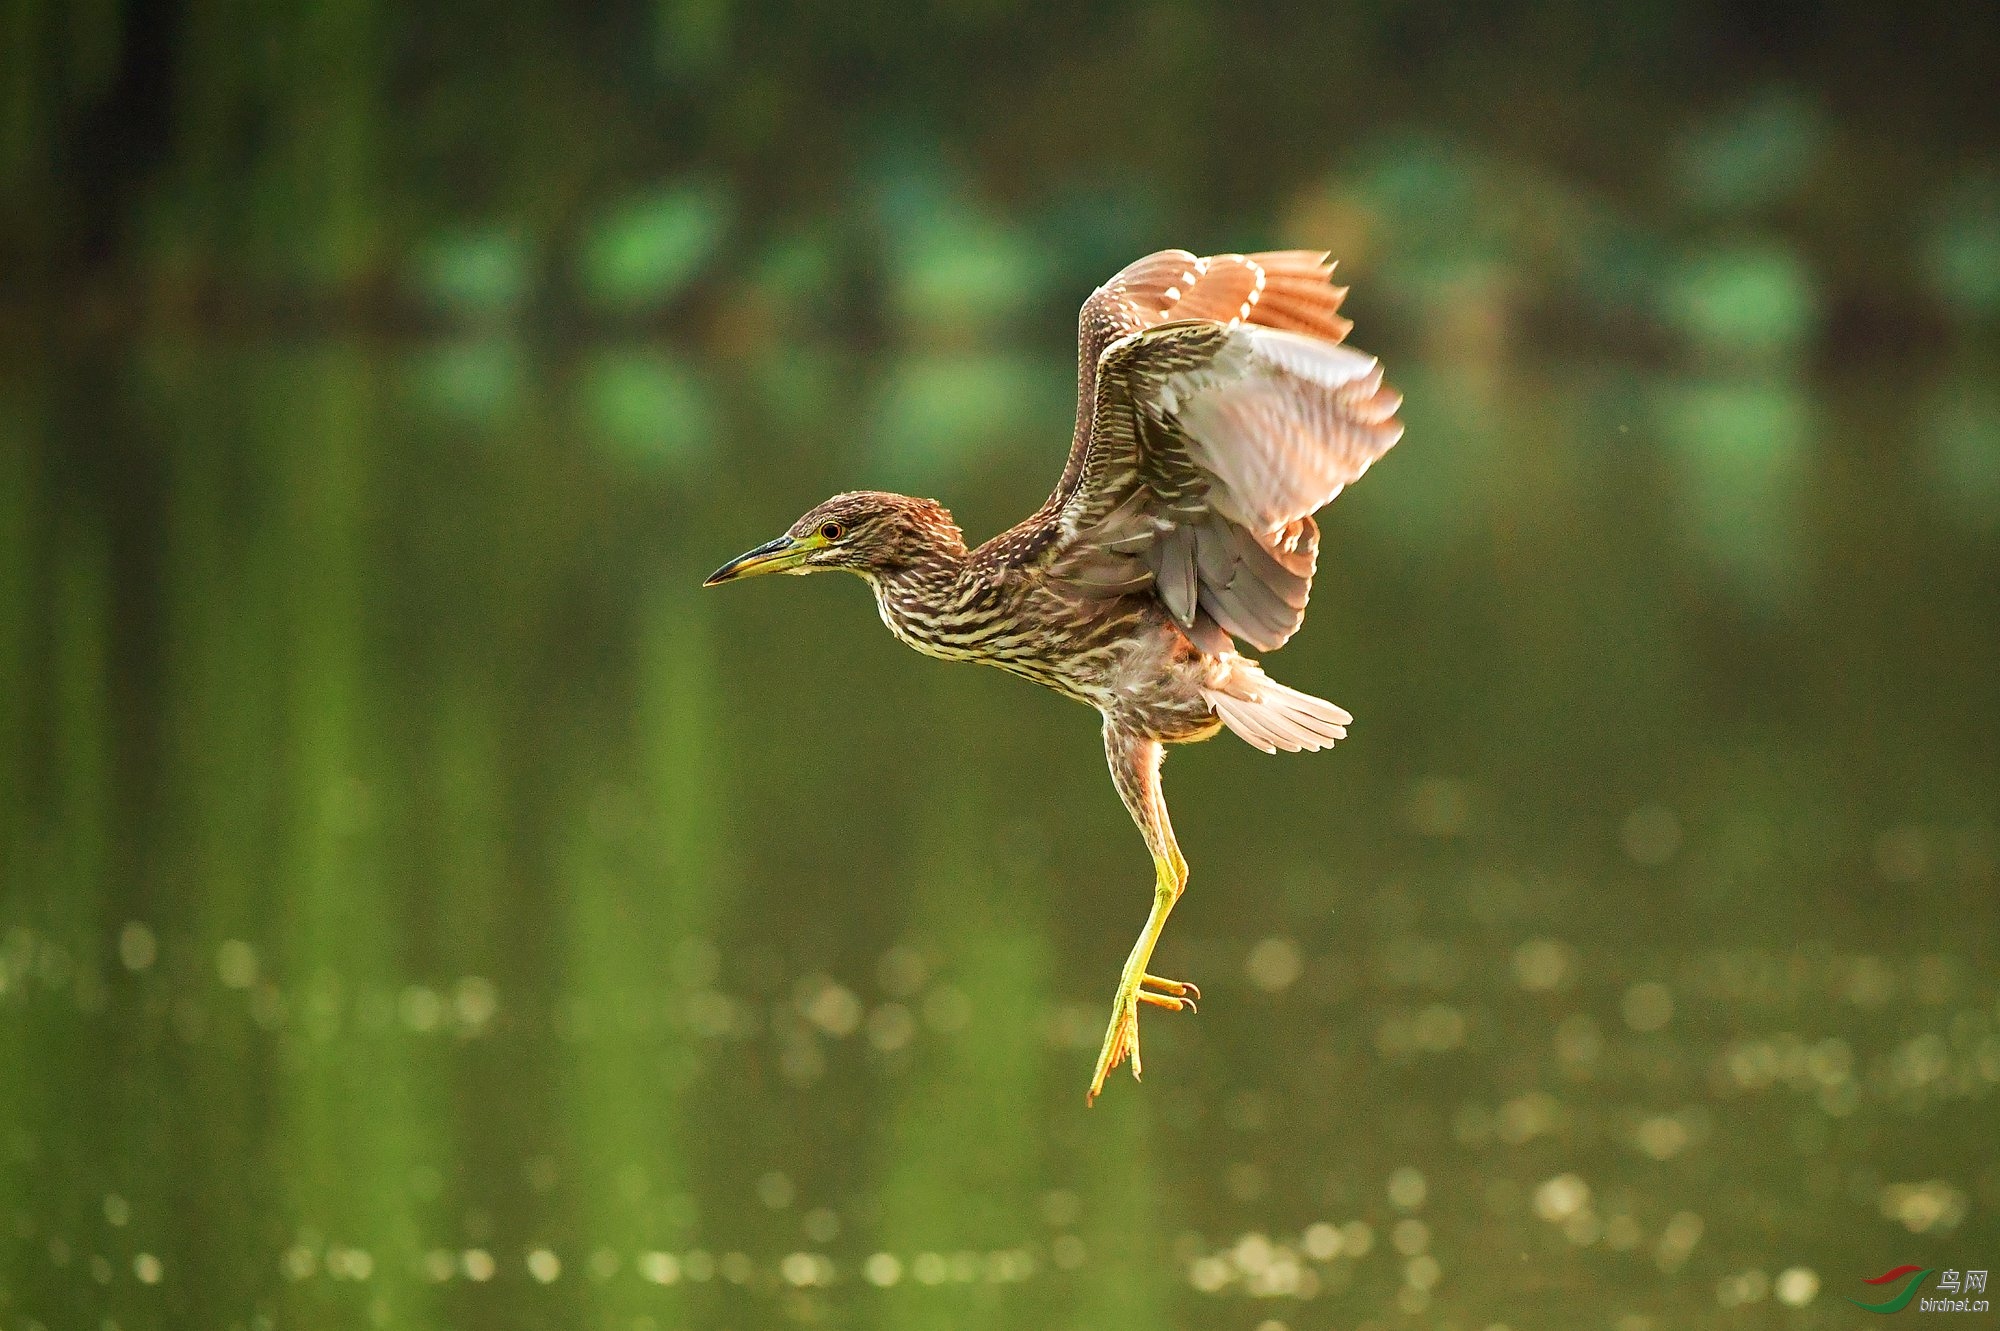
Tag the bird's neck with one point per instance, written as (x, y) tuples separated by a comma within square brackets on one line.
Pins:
[(926, 580), (921, 598)]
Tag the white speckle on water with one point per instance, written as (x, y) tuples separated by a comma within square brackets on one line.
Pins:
[(1561, 1197), (138, 949), (1648, 1006), (1662, 1136), (1407, 1188), (1797, 1286), (1274, 964), (236, 963), (1542, 965), (890, 1027), (1677, 1241), (1650, 834), (775, 1190), (1321, 1241)]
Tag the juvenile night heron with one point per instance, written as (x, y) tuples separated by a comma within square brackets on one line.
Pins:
[(1216, 412)]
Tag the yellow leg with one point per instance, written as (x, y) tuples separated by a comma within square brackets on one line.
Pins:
[(1135, 986), (1134, 760)]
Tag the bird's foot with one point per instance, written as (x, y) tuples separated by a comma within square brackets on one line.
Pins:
[(1173, 995), (1121, 1038)]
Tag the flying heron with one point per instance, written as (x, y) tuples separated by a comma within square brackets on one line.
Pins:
[(1216, 411)]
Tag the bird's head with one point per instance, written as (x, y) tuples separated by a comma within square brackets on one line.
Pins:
[(869, 532)]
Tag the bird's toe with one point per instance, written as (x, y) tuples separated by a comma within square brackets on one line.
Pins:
[(1178, 988)]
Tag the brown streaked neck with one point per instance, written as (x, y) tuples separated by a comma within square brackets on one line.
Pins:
[(926, 576), (923, 595)]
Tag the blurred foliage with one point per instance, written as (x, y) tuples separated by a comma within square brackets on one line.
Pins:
[(1514, 172), (1754, 157), (1962, 248), (933, 410), (647, 407), (953, 266), (477, 275), (1743, 449), (640, 254), (1752, 301), (476, 380), (1963, 425)]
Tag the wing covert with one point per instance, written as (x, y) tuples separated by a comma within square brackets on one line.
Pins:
[(1211, 446), (1288, 289)]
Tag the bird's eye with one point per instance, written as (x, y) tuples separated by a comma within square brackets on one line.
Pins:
[(831, 531)]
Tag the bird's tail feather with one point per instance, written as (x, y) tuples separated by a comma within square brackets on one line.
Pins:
[(1269, 716)]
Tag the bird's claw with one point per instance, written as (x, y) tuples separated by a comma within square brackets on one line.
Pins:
[(1121, 1038)]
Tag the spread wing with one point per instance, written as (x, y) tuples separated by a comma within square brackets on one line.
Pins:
[(1210, 445), (1278, 289)]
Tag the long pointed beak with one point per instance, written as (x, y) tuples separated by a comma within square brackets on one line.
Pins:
[(779, 556)]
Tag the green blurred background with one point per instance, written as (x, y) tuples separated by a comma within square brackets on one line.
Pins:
[(421, 906)]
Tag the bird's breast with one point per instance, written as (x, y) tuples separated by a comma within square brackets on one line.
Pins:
[(1117, 656)]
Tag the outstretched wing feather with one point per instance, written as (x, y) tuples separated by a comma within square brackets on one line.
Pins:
[(1288, 289), (1229, 436)]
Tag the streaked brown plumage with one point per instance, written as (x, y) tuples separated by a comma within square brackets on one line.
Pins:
[(1216, 411)]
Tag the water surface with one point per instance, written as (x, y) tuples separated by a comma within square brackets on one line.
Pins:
[(423, 906)]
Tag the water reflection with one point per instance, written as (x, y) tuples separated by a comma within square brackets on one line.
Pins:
[(424, 907)]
